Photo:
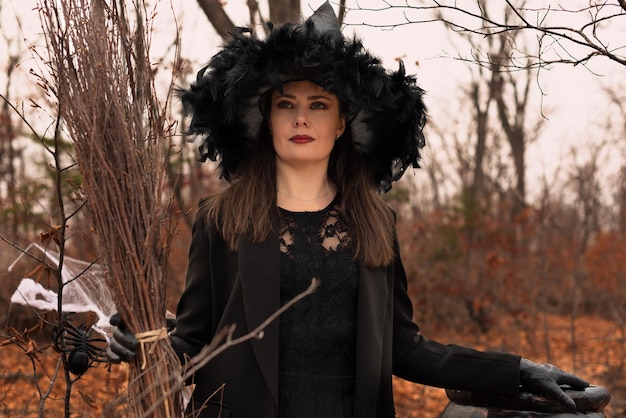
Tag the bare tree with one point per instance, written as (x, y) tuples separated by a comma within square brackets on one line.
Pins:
[(510, 93), (512, 113), (280, 11), (65, 209), (10, 152), (616, 122), (488, 151), (216, 14), (573, 34)]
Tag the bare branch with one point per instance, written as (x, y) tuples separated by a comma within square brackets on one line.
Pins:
[(209, 351), (486, 26)]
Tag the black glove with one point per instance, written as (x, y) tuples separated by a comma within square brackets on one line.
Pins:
[(170, 323), (123, 343), (544, 379)]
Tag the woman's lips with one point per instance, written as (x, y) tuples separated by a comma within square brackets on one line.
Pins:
[(301, 139)]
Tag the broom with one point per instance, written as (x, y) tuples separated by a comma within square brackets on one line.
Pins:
[(101, 77)]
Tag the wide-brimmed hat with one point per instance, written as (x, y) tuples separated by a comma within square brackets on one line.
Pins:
[(385, 111)]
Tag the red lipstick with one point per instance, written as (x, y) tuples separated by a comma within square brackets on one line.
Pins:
[(301, 139)]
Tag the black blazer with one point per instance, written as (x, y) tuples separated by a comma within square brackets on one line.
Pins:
[(225, 287)]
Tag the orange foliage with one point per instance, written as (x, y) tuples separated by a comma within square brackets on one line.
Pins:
[(605, 261), (596, 356)]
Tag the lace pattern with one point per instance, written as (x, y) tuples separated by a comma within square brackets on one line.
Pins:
[(318, 334)]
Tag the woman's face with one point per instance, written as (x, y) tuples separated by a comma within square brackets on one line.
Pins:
[(305, 121)]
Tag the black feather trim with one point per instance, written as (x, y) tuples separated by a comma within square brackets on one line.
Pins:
[(385, 110)]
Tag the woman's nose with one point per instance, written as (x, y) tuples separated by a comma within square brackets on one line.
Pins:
[(301, 118)]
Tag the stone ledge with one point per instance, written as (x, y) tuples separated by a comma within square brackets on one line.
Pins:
[(590, 403)]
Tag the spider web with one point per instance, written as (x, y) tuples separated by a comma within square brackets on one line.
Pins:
[(84, 289)]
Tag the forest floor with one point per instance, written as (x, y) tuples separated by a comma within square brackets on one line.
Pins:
[(598, 355)]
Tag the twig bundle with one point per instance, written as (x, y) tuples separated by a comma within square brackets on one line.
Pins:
[(103, 81)]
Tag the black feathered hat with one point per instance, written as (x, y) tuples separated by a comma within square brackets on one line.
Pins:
[(385, 111)]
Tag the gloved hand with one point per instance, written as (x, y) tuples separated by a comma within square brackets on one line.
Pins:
[(544, 379), (123, 343)]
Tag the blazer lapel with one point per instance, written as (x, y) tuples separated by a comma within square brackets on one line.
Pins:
[(259, 266), (373, 299)]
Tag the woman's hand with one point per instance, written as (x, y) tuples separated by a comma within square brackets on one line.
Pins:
[(123, 343), (544, 379)]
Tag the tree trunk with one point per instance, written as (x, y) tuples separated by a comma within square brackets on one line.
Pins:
[(281, 11), (217, 16), (284, 11)]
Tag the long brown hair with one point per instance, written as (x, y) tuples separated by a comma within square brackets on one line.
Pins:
[(248, 206)]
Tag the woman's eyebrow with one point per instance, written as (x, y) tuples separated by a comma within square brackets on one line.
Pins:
[(318, 96), (314, 97)]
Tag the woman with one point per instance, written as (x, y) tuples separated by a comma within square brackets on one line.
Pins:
[(308, 129)]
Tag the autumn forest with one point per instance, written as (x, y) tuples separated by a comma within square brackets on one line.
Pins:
[(499, 254)]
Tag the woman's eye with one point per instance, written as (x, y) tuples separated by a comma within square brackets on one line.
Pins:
[(284, 104), (318, 105)]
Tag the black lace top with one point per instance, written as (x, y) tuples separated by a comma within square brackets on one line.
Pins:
[(317, 334)]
